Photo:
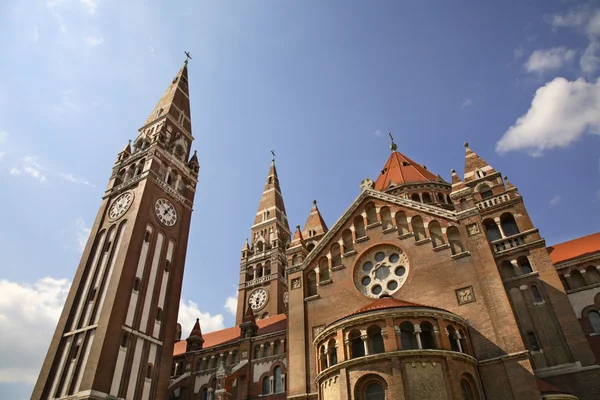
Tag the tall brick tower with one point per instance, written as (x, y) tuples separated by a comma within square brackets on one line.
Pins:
[(115, 335), (262, 266)]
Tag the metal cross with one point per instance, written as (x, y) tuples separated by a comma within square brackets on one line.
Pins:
[(273, 153), (187, 55)]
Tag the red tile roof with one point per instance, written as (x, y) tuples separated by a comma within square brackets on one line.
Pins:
[(575, 248), (400, 169), (268, 325)]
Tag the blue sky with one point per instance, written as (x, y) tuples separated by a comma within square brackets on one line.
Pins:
[(320, 82)]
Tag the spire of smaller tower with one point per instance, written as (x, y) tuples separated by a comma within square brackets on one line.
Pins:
[(195, 340), (271, 206), (127, 148), (298, 238), (475, 166), (315, 225), (457, 183)]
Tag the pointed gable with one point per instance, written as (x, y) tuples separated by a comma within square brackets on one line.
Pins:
[(400, 169), (475, 166), (175, 102), (315, 223)]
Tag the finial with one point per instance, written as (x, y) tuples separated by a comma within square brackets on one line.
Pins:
[(273, 156), (393, 146), (315, 202), (187, 57), (298, 227), (505, 177), (197, 319), (453, 171), (466, 144)]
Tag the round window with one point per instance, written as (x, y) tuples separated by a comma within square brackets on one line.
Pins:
[(381, 270)]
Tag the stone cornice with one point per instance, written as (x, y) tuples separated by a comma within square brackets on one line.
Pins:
[(578, 260), (519, 355)]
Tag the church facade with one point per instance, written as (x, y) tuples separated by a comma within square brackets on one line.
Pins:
[(422, 288)]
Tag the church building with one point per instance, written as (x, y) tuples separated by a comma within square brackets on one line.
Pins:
[(421, 289)]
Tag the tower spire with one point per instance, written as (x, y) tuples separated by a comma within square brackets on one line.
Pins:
[(475, 166), (315, 225), (271, 206)]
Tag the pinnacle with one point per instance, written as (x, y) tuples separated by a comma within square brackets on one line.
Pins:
[(315, 223), (475, 166)]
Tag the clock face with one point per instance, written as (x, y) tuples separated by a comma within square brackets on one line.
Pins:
[(258, 299), (120, 205), (165, 211)]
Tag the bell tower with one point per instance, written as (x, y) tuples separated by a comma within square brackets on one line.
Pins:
[(262, 268), (115, 336)]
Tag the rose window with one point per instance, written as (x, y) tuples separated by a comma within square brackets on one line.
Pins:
[(382, 270)]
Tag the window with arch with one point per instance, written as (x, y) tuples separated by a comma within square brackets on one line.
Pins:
[(592, 273), (373, 391), (408, 339), (426, 198), (491, 229), (415, 197), (464, 343), (356, 344), (524, 265), (441, 198), (259, 246), (507, 270), (266, 385), (124, 339), (256, 352), (466, 390), (159, 314), (485, 191), (418, 227), (386, 218), (509, 225), (577, 279), (427, 340), (336, 255), (456, 246), (310, 246), (295, 259), (136, 284), (347, 240), (147, 237), (323, 269), (375, 339), (259, 271), (277, 378), (149, 371), (250, 273), (311, 283), (435, 232), (453, 337), (267, 350), (332, 345), (463, 204), (537, 296), (594, 318), (359, 227), (565, 282), (533, 343), (401, 222), (267, 269), (199, 365), (371, 214)]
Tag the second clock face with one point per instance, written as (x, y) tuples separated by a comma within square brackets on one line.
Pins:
[(120, 206), (258, 299), (166, 212)]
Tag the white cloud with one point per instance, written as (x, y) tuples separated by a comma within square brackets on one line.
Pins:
[(74, 179), (32, 311), (555, 200), (560, 113), (377, 133), (590, 60), (231, 304), (90, 5), (572, 19), (466, 103), (3, 136), (82, 233), (31, 167), (544, 60), (188, 312), (15, 171), (93, 41)]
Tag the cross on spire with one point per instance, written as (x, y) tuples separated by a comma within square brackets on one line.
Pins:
[(187, 56), (273, 156), (393, 146)]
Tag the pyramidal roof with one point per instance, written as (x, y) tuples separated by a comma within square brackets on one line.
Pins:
[(400, 169), (174, 101), (314, 222), (271, 201), (474, 163)]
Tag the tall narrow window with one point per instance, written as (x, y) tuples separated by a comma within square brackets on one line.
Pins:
[(371, 214), (594, 318), (159, 315), (357, 344), (336, 255), (149, 371), (312, 283), (533, 343), (347, 239), (147, 237), (124, 339), (359, 227), (324, 269), (467, 392), (136, 284), (492, 230), (537, 296), (386, 218), (509, 225), (524, 265), (266, 385), (456, 245), (401, 223), (407, 336), (435, 231), (376, 340), (277, 379), (418, 228), (427, 339)]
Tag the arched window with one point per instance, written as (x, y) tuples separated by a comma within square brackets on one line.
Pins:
[(332, 345), (386, 218), (464, 344), (375, 339), (407, 336), (259, 271), (565, 282), (357, 346), (509, 225), (456, 245), (256, 352), (594, 317), (347, 240), (371, 214), (524, 265), (426, 198), (295, 259), (235, 358), (435, 231), (310, 246), (267, 270), (485, 191), (149, 371), (277, 379), (267, 350), (466, 390), (463, 204), (205, 394), (374, 391), (159, 314), (453, 338), (323, 269), (427, 340), (311, 283), (441, 198), (124, 339), (136, 284), (415, 197), (537, 296), (199, 365), (533, 343), (147, 237), (492, 230), (359, 226), (259, 246), (577, 280), (336, 255), (266, 385), (507, 270), (418, 227), (592, 273), (401, 222)]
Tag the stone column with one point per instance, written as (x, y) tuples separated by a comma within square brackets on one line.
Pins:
[(499, 225), (457, 333), (516, 267), (436, 337), (365, 340), (586, 279), (421, 197), (418, 335), (262, 350)]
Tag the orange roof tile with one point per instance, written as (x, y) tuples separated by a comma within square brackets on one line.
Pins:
[(575, 248), (268, 325), (400, 169)]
